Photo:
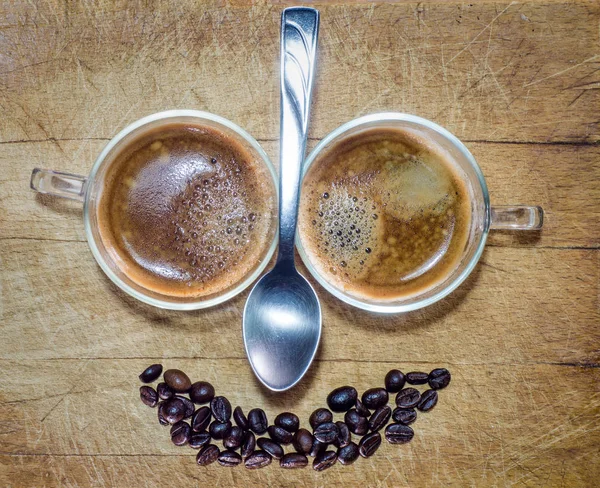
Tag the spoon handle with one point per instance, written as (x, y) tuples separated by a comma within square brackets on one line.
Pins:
[(299, 33)]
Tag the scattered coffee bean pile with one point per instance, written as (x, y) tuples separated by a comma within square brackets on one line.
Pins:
[(329, 441)]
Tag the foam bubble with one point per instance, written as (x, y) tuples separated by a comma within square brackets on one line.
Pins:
[(340, 231)]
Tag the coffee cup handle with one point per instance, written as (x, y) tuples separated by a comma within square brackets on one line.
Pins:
[(59, 184), (516, 217)]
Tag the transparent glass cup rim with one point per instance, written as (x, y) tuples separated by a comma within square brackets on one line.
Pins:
[(370, 121), (166, 116)]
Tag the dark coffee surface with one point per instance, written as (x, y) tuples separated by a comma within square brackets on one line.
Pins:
[(187, 211), (384, 214)]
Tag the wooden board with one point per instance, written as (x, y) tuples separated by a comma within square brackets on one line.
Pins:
[(519, 82)]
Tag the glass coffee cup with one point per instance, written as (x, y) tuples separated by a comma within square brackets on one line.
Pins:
[(483, 216), (89, 189)]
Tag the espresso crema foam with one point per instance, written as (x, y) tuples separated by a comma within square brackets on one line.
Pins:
[(186, 211), (384, 214)]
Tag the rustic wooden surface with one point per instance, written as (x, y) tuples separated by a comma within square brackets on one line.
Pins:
[(519, 82)]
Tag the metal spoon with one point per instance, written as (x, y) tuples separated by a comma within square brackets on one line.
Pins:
[(282, 317)]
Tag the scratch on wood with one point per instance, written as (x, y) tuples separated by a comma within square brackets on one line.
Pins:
[(53, 408), (566, 70), (481, 32)]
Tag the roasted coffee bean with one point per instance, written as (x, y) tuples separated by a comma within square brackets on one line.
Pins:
[(288, 421), (404, 416), (189, 406), (180, 433), (344, 437), (164, 391), (303, 441), (257, 418), (362, 410), (219, 430), (428, 400), (220, 408), (316, 448), (320, 416), (417, 378), (271, 447), (148, 396), (348, 454), (257, 460), (177, 380), (357, 424), (161, 414), (398, 433), (380, 418), (326, 433), (240, 419), (199, 439), (201, 419), (151, 373), (439, 378), (394, 381), (249, 444), (234, 438), (293, 460), (369, 444), (229, 458), (375, 398), (207, 455), (280, 435), (324, 460), (342, 399), (408, 398), (173, 410), (202, 392)]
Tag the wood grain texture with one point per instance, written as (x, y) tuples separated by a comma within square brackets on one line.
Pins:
[(519, 82), (83, 69), (551, 316)]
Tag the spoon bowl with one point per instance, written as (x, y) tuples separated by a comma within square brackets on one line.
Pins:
[(282, 349)]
